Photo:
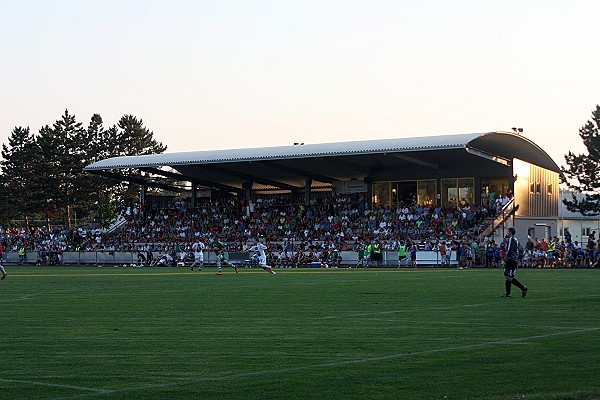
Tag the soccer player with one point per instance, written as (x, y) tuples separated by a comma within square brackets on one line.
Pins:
[(360, 249), (511, 260), (219, 249), (198, 249), (259, 248)]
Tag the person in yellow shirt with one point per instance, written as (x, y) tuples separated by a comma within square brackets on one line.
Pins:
[(402, 254)]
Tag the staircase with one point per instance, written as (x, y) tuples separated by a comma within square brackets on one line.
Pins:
[(506, 212), (115, 225)]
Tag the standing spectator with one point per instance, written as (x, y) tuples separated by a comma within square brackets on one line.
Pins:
[(489, 254), (413, 254), (22, 254), (443, 254), (376, 253), (401, 253)]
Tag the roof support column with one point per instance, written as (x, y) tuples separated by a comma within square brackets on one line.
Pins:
[(194, 194), (369, 199), (307, 186), (247, 186), (477, 197), (143, 192)]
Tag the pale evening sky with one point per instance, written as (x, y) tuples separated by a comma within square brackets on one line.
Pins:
[(230, 73)]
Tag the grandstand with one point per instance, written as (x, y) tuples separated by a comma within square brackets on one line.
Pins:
[(454, 188)]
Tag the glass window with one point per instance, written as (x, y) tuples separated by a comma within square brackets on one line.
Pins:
[(405, 192), (498, 186), (449, 192), (586, 231), (466, 189), (381, 193), (427, 192), (458, 191)]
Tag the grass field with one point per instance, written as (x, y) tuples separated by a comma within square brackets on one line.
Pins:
[(133, 333)]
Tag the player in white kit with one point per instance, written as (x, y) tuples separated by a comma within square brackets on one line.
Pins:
[(259, 248), (198, 249)]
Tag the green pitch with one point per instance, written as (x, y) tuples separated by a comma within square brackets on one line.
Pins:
[(133, 333)]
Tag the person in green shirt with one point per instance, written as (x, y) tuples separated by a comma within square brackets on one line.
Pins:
[(335, 258), (22, 254), (368, 253), (219, 249), (360, 249), (402, 254), (376, 254)]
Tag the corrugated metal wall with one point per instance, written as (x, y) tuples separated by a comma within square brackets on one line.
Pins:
[(543, 192)]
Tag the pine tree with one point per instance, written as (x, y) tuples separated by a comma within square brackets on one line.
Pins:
[(130, 138), (18, 179), (583, 171), (61, 152), (95, 189), (133, 138)]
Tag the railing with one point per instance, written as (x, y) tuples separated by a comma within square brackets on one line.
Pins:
[(119, 222), (507, 211)]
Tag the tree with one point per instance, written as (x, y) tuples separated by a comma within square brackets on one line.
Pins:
[(18, 181), (61, 162), (95, 145), (130, 138), (43, 174), (133, 138), (583, 171)]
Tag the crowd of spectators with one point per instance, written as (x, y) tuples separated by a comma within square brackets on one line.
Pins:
[(329, 224), (339, 220)]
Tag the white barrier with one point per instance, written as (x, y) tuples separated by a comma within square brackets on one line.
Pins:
[(349, 258)]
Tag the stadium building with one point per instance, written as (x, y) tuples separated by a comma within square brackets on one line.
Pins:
[(447, 170)]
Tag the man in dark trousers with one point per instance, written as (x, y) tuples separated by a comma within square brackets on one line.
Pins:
[(511, 260)]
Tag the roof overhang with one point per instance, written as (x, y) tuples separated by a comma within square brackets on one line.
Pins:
[(319, 165)]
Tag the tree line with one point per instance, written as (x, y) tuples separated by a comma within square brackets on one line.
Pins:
[(42, 178), (41, 174)]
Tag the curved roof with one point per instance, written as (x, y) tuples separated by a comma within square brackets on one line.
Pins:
[(286, 152), (288, 166)]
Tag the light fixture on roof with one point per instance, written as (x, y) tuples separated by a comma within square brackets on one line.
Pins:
[(298, 144), (517, 130)]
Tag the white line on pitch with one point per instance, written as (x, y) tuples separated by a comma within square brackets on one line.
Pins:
[(56, 385), (334, 363)]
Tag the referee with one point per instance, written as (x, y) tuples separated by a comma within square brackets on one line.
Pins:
[(511, 260)]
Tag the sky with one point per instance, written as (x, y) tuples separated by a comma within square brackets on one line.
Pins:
[(226, 74)]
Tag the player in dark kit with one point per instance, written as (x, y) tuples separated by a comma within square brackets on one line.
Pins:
[(511, 260)]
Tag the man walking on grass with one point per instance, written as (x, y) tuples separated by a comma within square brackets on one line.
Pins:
[(511, 260)]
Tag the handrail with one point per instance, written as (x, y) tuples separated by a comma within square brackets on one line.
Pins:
[(505, 212), (118, 223)]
